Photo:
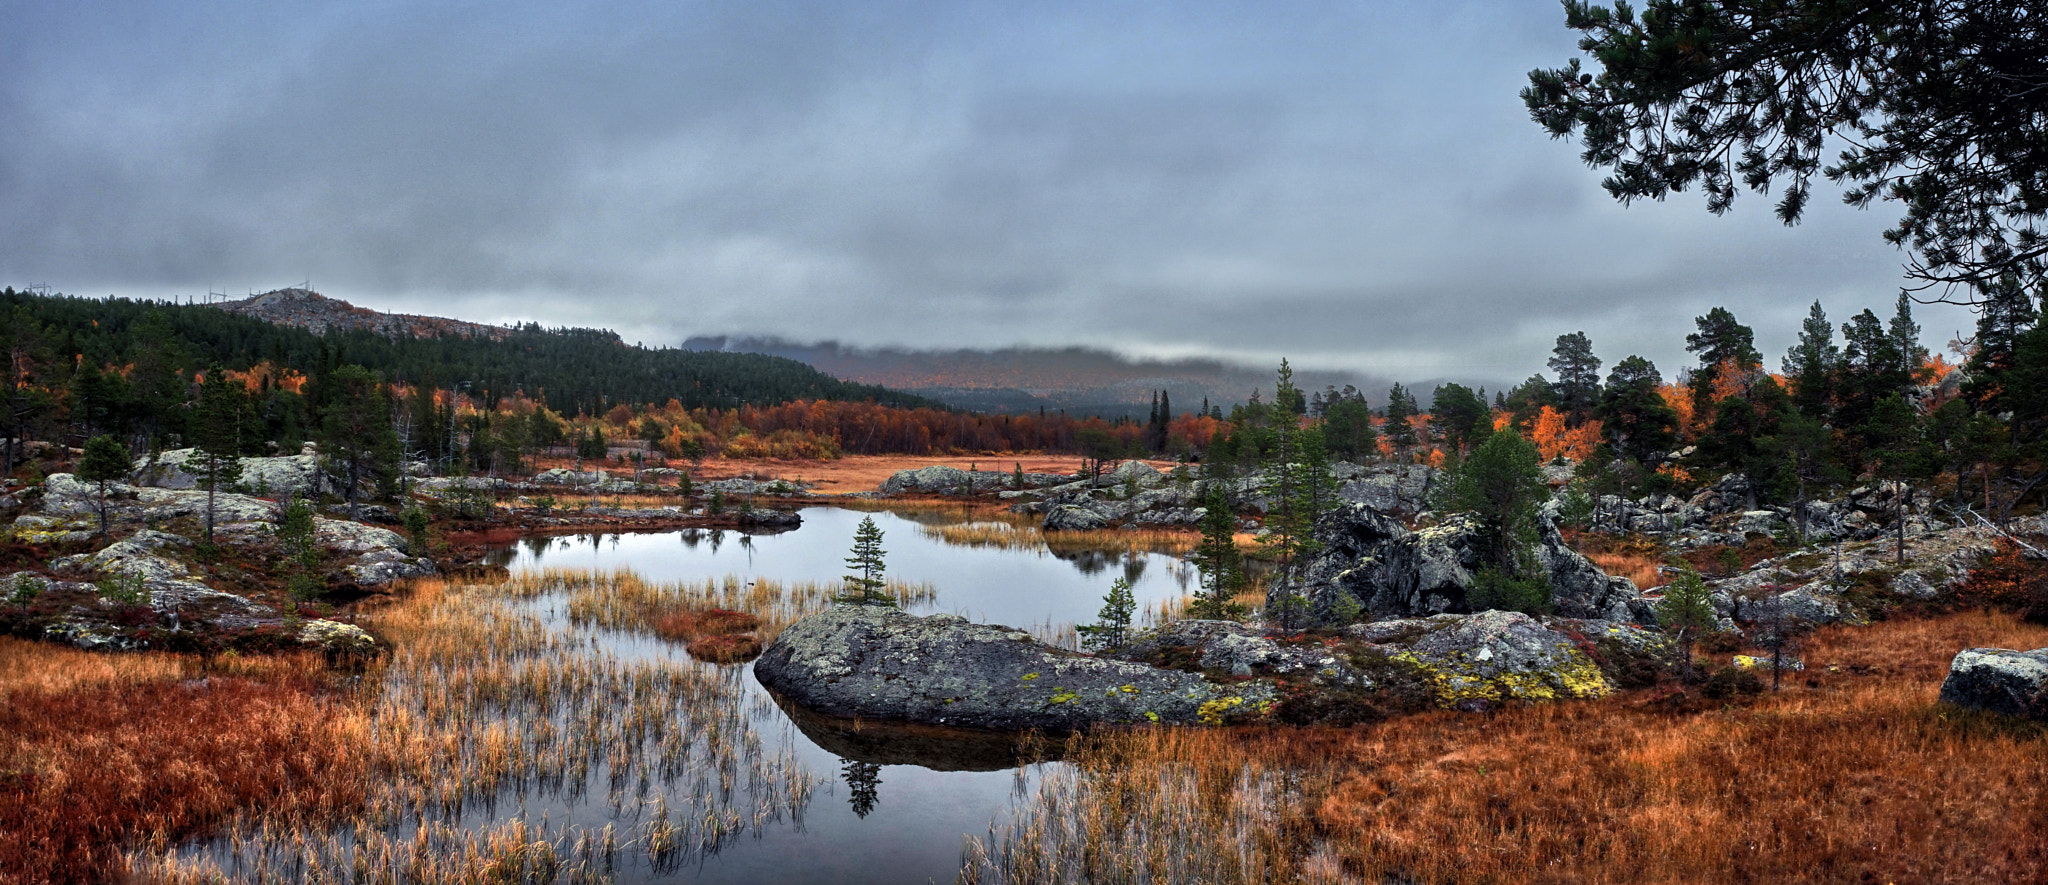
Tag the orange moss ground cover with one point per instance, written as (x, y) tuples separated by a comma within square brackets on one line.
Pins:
[(101, 751)]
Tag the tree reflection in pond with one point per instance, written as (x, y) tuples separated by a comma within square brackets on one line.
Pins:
[(863, 782)]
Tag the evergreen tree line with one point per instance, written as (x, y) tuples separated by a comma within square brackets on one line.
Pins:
[(125, 365)]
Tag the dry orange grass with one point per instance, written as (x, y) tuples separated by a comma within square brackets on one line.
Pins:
[(99, 752), (721, 636), (1637, 567), (1858, 777)]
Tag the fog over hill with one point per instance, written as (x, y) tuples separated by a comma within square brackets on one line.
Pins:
[(1021, 379)]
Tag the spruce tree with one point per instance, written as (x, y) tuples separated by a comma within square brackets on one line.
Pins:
[(216, 430), (1813, 364), (1400, 432), (105, 460), (357, 437), (1459, 415), (1501, 484), (1686, 612), (1578, 376), (865, 585), (1217, 558), (2008, 312)]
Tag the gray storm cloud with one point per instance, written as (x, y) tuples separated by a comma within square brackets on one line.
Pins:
[(1352, 184)]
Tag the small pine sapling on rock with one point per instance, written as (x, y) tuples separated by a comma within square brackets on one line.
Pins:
[(866, 586), (1686, 613), (1113, 628)]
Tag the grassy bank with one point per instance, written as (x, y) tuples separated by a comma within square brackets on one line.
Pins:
[(1851, 774)]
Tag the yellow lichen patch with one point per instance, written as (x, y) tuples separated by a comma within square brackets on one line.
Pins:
[(1459, 680), (1212, 712)]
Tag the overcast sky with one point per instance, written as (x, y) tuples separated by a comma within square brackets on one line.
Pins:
[(1353, 185)]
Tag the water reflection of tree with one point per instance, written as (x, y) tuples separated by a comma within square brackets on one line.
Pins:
[(863, 781), (1134, 566), (1087, 562), (537, 545), (690, 537)]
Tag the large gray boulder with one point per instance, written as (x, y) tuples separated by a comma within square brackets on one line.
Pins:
[(1999, 680), (877, 662), (1076, 518), (934, 480), (1387, 571)]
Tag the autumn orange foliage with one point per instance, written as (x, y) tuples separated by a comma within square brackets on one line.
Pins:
[(1553, 437), (1679, 398), (158, 752)]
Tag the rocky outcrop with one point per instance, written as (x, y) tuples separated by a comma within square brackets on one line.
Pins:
[(1076, 518), (1446, 660), (307, 309), (1134, 495), (876, 662), (163, 582), (1495, 656), (1999, 680), (1387, 488), (1854, 582), (1373, 565), (585, 482), (942, 480), (291, 476)]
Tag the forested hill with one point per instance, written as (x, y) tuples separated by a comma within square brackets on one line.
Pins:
[(574, 370)]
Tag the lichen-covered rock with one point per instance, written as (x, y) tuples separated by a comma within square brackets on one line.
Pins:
[(1388, 571), (1445, 660), (934, 480), (1075, 518), (1999, 680), (1495, 656), (380, 553), (1137, 471), (586, 481), (65, 497), (288, 476), (1389, 488), (878, 662), (168, 585), (1241, 650), (441, 485), (336, 637)]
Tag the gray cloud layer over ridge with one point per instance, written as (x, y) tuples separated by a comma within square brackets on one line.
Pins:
[(1354, 185)]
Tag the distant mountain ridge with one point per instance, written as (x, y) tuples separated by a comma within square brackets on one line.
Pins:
[(306, 309), (1018, 379)]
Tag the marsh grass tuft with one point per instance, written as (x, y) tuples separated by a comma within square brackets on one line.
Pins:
[(497, 696)]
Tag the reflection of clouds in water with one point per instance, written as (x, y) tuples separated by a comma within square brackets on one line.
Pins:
[(1006, 585)]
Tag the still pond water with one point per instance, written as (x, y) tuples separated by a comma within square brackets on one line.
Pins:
[(892, 808)]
